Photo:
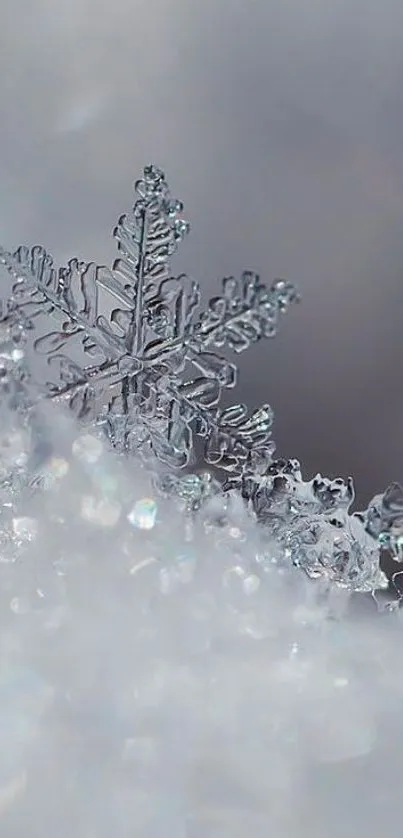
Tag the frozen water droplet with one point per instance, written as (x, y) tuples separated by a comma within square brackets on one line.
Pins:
[(101, 511), (143, 514)]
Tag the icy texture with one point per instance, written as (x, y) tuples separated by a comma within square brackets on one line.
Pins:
[(130, 344), (165, 671), (313, 523)]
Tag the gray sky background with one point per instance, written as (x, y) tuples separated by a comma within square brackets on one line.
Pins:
[(280, 124)]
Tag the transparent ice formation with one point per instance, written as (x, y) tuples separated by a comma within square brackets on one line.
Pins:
[(131, 352)]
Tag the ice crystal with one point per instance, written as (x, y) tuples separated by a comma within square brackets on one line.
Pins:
[(129, 346), (313, 523), (131, 352)]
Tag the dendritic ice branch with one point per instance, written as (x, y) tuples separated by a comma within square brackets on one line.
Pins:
[(128, 347)]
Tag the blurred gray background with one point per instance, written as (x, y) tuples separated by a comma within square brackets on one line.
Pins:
[(280, 124)]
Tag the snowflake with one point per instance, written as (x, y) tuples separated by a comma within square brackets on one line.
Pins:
[(128, 347)]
